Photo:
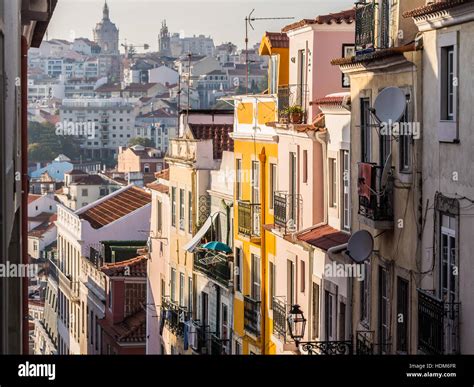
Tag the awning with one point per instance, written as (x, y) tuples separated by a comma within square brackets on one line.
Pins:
[(196, 241)]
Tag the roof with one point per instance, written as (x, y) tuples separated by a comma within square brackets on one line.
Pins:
[(347, 16), (116, 206), (32, 198), (324, 237), (140, 87), (278, 39), (163, 174), (130, 330), (109, 88), (330, 100), (44, 227), (76, 172), (159, 113), (90, 180), (159, 187), (440, 5), (135, 267), (218, 133), (375, 55)]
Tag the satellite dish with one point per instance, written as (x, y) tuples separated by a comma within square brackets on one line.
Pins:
[(390, 104), (360, 246), (387, 170)]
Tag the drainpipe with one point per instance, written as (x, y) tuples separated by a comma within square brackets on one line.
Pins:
[(321, 137), (263, 159), (25, 189)]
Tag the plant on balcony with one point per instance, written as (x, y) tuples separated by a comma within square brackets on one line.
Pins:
[(295, 114)]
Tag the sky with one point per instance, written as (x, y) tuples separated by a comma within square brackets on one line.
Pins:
[(139, 21)]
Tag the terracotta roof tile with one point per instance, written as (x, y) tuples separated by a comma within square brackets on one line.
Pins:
[(347, 16), (135, 267), (130, 330), (218, 133), (375, 55), (32, 198), (324, 237), (332, 101), (116, 206), (163, 174), (438, 6), (159, 187), (278, 39)]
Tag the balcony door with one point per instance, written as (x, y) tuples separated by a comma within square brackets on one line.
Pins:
[(293, 190)]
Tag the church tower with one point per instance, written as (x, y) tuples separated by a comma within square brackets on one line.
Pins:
[(106, 34), (164, 40)]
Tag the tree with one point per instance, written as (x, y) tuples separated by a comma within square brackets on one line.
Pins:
[(145, 142), (39, 153)]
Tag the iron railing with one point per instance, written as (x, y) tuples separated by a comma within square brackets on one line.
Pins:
[(327, 347), (280, 313), (287, 210), (175, 316), (200, 344), (438, 325), (366, 345), (252, 316), (218, 271), (291, 95), (378, 206), (249, 218), (219, 346), (365, 26)]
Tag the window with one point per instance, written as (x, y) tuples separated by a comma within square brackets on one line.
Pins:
[(365, 130), (290, 282), (385, 147), (190, 295), (448, 74), (271, 274), (255, 275), (238, 188), (238, 269), (255, 182), (315, 311), (384, 311), (146, 168), (301, 78), (110, 295), (346, 212), (173, 206), (329, 310), (224, 322), (85, 192), (181, 209), (303, 276), (342, 321), (274, 74), (292, 193), (448, 267), (305, 166), (173, 285), (181, 289), (160, 216), (237, 348), (332, 183), (365, 295), (190, 212), (402, 315), (273, 184)]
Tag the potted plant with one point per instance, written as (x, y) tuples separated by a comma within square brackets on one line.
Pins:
[(295, 113)]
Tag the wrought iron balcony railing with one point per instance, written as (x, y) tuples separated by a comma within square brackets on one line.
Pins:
[(289, 96), (252, 316), (200, 343), (376, 198), (287, 210), (438, 325), (280, 313), (219, 346), (175, 316), (327, 347), (366, 345), (249, 219), (218, 271), (372, 19)]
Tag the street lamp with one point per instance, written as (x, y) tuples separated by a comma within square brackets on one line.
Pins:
[(296, 323)]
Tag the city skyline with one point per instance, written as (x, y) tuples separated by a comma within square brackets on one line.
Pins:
[(74, 19)]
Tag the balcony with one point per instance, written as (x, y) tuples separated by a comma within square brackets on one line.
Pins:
[(327, 347), (289, 96), (175, 316), (249, 219), (200, 343), (217, 271), (366, 345), (375, 198), (280, 313), (252, 316), (287, 210), (438, 325), (219, 346), (369, 17)]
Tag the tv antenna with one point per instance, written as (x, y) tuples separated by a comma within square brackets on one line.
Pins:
[(248, 23)]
